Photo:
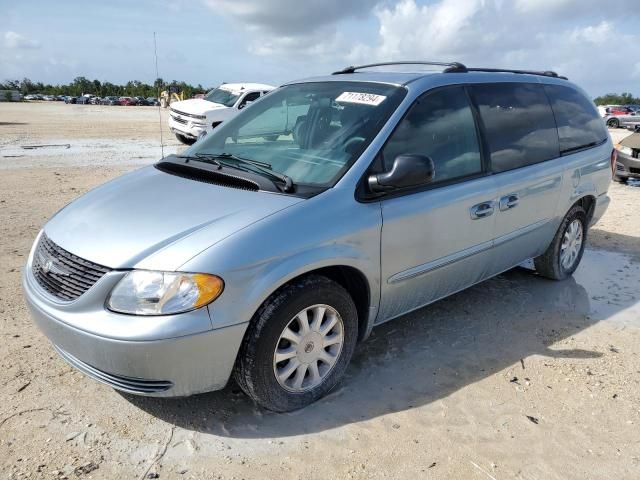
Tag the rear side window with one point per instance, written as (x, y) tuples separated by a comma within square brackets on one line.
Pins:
[(439, 125), (519, 124), (579, 125)]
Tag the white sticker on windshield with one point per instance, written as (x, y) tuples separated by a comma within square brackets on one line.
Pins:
[(362, 98)]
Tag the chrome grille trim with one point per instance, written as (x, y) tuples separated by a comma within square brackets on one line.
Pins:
[(61, 273)]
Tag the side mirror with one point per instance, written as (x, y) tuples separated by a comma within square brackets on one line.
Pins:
[(408, 170), (245, 104)]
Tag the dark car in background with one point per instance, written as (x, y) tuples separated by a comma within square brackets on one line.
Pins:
[(628, 159), (152, 101), (140, 100), (110, 100), (70, 99)]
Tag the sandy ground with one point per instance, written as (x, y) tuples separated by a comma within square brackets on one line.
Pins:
[(539, 383)]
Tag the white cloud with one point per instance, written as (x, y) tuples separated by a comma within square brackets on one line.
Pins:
[(598, 34), (496, 33), (16, 41)]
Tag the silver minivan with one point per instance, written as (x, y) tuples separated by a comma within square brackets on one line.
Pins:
[(270, 248)]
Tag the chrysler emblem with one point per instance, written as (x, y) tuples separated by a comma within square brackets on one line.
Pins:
[(46, 268), (49, 265)]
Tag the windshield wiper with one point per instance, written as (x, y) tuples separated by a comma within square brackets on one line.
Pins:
[(255, 166), (202, 157)]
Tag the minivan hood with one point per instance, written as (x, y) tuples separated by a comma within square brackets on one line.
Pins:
[(155, 220), (196, 106)]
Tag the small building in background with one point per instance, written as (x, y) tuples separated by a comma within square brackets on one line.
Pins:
[(10, 96)]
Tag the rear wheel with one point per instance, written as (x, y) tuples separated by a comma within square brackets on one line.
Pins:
[(565, 252), (298, 345), (185, 140), (613, 123)]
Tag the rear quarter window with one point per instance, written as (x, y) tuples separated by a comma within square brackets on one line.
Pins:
[(518, 122), (579, 125)]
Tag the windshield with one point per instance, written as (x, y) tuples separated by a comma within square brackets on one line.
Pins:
[(311, 132), (222, 96)]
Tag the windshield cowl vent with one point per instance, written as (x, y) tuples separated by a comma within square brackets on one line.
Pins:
[(206, 176)]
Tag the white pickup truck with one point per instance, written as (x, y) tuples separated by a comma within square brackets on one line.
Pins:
[(189, 119)]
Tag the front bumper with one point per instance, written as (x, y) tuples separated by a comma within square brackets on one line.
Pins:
[(163, 367), (186, 127), (627, 166)]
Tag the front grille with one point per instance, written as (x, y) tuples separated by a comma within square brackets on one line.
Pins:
[(191, 115), (634, 170), (127, 384), (179, 120), (62, 274)]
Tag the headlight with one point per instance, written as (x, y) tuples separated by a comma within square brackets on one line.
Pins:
[(143, 292), (625, 150)]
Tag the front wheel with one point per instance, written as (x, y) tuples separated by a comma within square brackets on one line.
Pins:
[(619, 179), (565, 252), (613, 123), (298, 344), (185, 140)]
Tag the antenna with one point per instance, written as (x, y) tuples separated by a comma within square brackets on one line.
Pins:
[(155, 51)]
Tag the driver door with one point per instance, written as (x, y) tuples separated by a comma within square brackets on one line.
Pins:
[(437, 240)]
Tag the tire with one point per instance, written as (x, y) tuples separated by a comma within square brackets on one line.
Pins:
[(550, 264), (613, 123), (256, 365), (619, 179), (185, 140)]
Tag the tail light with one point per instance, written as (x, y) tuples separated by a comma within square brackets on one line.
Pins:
[(614, 157)]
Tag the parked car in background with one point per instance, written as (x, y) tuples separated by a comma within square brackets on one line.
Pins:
[(270, 258), (110, 100), (140, 100), (625, 117), (628, 160), (153, 101), (32, 96), (190, 119), (95, 101), (128, 101), (85, 99), (49, 98), (70, 99)]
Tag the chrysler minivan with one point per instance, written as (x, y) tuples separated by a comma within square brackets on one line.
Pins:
[(269, 257)]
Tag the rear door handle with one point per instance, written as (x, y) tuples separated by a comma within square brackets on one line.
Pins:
[(509, 201), (482, 210)]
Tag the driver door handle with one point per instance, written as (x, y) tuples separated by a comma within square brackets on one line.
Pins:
[(509, 201), (482, 210)]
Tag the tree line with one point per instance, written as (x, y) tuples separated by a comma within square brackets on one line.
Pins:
[(617, 99), (81, 85), (133, 88)]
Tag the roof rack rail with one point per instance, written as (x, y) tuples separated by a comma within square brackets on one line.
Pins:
[(546, 73), (450, 66)]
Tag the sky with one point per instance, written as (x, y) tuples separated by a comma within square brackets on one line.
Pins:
[(593, 42)]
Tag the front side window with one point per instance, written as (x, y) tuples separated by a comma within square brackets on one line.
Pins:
[(222, 96), (579, 125), (440, 125), (311, 132), (249, 97), (519, 124)]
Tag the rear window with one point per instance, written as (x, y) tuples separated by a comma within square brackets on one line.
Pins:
[(579, 125), (519, 124)]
